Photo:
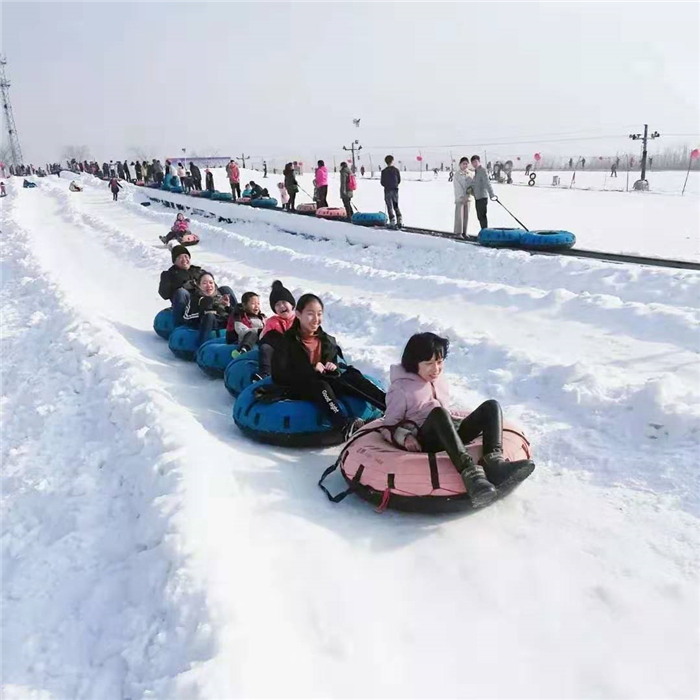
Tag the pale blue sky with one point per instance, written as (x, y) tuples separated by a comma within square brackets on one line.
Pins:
[(285, 80)]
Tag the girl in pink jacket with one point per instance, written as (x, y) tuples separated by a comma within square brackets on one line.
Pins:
[(417, 408)]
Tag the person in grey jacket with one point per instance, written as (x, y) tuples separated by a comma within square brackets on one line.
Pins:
[(482, 190), (462, 182), (345, 191)]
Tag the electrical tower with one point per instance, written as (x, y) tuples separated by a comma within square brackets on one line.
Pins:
[(645, 138), (355, 146), (15, 148)]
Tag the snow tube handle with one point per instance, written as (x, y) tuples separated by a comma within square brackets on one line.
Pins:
[(339, 496)]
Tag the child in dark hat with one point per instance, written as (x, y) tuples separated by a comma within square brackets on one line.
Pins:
[(282, 303)]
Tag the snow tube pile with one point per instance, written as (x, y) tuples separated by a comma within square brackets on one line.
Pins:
[(378, 218), (222, 196), (306, 208), (163, 323), (214, 356), (547, 240), (264, 202), (292, 423), (239, 372), (418, 482), (183, 341), (500, 237), (331, 213), (243, 200)]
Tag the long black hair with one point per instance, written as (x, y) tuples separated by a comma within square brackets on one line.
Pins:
[(422, 347), (303, 301)]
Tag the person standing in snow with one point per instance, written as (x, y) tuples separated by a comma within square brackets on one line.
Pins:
[(127, 173), (390, 181), (462, 183), (139, 173), (196, 176), (291, 185), (209, 179), (321, 176), (528, 168), (583, 163), (482, 190), (264, 168), (115, 187), (234, 178), (346, 188), (419, 397), (613, 169)]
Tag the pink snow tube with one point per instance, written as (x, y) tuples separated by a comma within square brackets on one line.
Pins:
[(306, 208), (243, 200), (331, 213), (418, 482)]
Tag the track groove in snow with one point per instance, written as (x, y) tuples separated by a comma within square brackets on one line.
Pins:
[(264, 574)]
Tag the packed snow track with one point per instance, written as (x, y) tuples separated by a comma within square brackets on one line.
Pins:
[(150, 551)]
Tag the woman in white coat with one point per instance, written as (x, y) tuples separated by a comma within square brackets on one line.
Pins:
[(462, 181)]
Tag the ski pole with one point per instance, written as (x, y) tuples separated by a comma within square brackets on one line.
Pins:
[(513, 215)]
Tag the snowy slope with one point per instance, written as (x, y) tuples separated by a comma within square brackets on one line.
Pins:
[(151, 551), (651, 223)]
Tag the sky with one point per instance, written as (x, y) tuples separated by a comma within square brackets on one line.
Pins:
[(284, 80)]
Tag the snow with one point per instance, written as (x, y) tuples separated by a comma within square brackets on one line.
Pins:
[(150, 551), (646, 223)]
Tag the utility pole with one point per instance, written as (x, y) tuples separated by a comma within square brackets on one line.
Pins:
[(15, 148), (645, 138), (242, 158), (354, 146)]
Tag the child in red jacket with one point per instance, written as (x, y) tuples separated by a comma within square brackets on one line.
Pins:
[(245, 323), (282, 303)]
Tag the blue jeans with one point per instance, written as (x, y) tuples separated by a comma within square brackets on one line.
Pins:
[(182, 296)]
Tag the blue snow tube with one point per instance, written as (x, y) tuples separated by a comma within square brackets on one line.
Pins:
[(239, 372), (293, 423), (206, 194), (366, 218), (264, 202), (163, 323), (501, 237), (214, 356), (222, 196), (183, 341), (177, 189), (547, 240)]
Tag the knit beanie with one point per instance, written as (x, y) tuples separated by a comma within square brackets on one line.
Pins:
[(280, 293), (179, 250)]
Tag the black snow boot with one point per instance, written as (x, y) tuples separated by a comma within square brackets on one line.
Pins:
[(480, 490), (503, 473)]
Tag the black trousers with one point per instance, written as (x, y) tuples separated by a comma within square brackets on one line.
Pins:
[(441, 432), (115, 195), (324, 390), (292, 200), (481, 205), (197, 183), (236, 189), (322, 200), (391, 199)]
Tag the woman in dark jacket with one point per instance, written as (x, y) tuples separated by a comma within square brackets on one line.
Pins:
[(291, 184), (307, 363), (208, 309)]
